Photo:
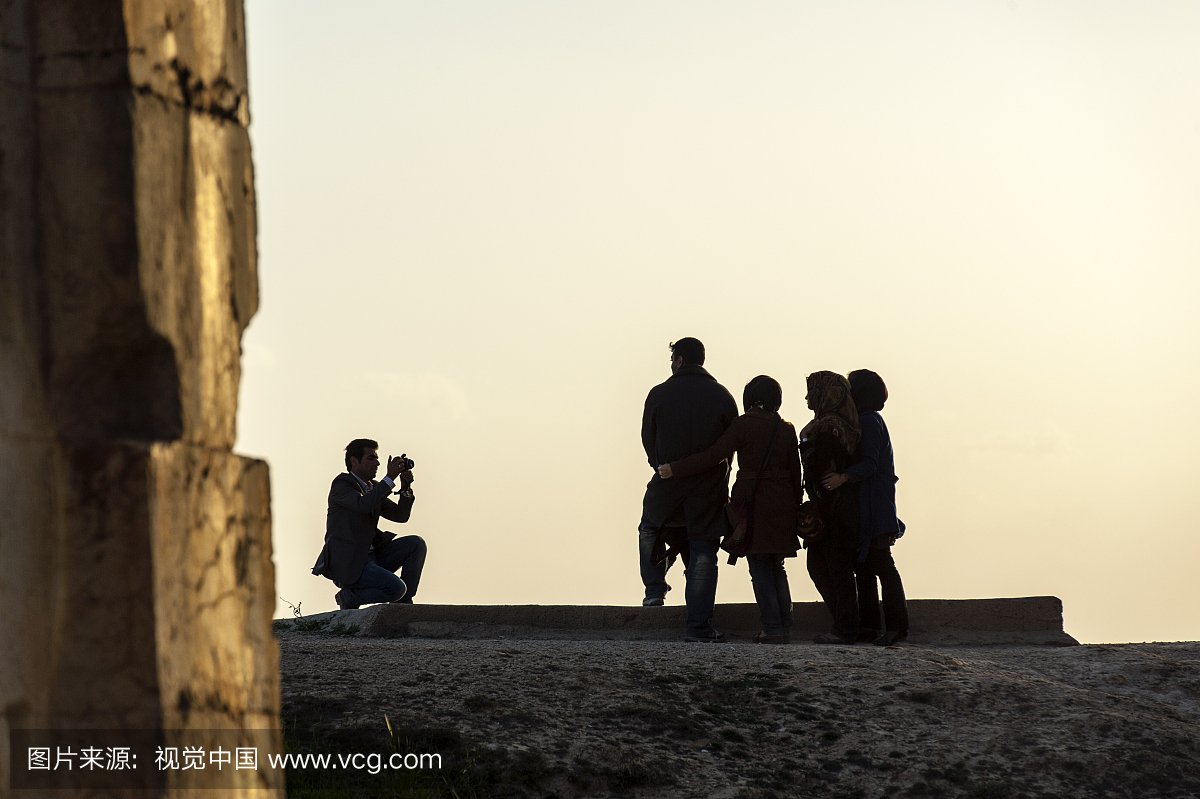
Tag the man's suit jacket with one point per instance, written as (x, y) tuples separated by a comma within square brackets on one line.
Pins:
[(352, 526)]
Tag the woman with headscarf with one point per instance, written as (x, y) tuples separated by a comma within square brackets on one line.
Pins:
[(827, 446), (875, 475), (760, 432)]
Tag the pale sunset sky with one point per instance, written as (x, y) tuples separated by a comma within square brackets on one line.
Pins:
[(481, 223)]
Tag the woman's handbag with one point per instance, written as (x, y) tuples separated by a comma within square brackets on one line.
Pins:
[(741, 511), (808, 523)]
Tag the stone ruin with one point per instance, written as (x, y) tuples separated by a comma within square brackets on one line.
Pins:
[(137, 586)]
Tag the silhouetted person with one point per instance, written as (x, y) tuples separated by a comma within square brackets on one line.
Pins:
[(759, 433), (683, 416), (358, 557), (875, 473), (827, 445)]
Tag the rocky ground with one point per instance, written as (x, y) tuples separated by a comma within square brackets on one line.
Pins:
[(640, 719)]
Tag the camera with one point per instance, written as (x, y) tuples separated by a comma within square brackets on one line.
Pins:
[(406, 462)]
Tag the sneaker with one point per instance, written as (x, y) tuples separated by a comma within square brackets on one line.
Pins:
[(771, 638), (652, 602), (710, 637)]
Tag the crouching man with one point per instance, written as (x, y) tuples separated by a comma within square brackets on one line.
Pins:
[(360, 558)]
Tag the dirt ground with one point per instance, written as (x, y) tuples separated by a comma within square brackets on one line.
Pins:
[(738, 720)]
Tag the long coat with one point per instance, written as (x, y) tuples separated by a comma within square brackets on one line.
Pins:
[(685, 415), (838, 509), (875, 472), (780, 489), (352, 526)]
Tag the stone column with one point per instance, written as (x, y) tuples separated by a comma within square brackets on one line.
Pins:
[(136, 583)]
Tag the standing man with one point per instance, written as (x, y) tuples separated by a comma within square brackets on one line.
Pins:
[(360, 558), (683, 416)]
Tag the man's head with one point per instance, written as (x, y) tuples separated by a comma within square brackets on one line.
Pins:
[(362, 458), (686, 352)]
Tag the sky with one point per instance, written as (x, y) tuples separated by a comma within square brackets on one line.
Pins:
[(481, 224)]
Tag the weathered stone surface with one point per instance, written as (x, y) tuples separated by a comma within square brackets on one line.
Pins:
[(138, 583), (1033, 621), (212, 534)]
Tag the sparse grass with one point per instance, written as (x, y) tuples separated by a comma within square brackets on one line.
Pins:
[(303, 625), (344, 630)]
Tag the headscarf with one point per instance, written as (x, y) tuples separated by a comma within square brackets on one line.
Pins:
[(762, 391), (835, 412)]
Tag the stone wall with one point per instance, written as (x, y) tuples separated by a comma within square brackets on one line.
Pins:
[(137, 586)]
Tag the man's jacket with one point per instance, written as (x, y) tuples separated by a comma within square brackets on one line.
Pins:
[(685, 415), (352, 527)]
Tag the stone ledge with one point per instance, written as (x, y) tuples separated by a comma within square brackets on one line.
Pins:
[(1021, 621)]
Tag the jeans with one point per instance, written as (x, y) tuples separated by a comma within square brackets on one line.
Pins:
[(772, 593), (701, 590), (700, 574), (654, 575), (879, 564), (378, 582), (831, 566)]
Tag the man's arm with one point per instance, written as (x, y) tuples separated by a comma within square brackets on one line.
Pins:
[(730, 411), (344, 494), (398, 510), (649, 430)]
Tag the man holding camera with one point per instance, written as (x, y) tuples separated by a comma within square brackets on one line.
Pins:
[(683, 416), (358, 557)]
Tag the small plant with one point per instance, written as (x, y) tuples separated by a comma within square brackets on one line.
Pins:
[(310, 625), (295, 608), (303, 625)]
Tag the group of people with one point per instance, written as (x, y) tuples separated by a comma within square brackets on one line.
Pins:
[(842, 459)]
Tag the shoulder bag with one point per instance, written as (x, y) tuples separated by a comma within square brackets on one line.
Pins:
[(741, 511)]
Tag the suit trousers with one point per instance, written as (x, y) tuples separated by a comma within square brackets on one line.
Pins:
[(378, 581)]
